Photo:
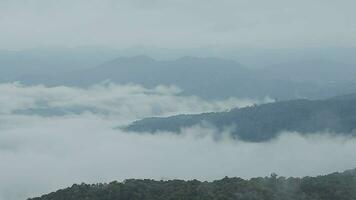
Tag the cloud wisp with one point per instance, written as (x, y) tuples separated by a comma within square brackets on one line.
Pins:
[(121, 101)]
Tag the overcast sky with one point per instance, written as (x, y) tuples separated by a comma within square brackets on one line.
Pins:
[(177, 23)]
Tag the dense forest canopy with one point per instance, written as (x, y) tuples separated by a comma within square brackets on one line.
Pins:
[(336, 186)]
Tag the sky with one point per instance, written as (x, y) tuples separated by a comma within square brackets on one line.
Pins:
[(177, 23)]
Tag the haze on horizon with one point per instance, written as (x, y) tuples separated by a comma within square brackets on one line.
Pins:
[(177, 23)]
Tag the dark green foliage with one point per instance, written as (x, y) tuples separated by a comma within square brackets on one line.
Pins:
[(266, 121), (337, 186)]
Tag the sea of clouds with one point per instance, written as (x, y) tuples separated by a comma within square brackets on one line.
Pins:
[(52, 137)]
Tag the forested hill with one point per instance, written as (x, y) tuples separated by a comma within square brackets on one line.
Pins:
[(336, 186), (264, 122)]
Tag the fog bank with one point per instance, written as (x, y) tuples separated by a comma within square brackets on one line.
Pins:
[(51, 138)]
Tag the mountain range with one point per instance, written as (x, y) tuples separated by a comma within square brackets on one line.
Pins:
[(207, 77)]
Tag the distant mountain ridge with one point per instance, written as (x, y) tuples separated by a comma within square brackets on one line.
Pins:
[(264, 122), (206, 77)]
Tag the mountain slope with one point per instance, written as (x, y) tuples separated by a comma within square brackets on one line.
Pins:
[(266, 121), (336, 186)]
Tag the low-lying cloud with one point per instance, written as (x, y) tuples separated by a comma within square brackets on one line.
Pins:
[(43, 153), (122, 101)]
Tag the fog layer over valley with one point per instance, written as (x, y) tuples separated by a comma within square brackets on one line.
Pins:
[(52, 137)]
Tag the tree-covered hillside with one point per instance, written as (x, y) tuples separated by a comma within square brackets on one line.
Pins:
[(336, 186), (263, 122)]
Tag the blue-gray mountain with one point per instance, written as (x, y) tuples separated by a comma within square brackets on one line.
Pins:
[(294, 76), (264, 122), (212, 78)]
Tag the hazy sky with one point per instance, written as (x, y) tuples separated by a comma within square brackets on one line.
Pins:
[(177, 23)]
